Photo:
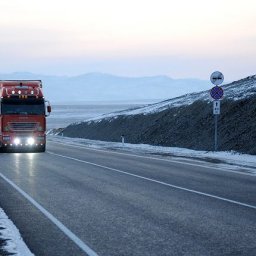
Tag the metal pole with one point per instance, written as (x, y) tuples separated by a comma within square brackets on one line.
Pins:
[(216, 133)]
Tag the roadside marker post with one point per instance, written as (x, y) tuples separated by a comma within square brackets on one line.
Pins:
[(122, 140), (216, 93)]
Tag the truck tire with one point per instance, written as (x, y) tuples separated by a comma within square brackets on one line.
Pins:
[(3, 149), (41, 149)]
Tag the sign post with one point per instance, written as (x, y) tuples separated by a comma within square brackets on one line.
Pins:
[(216, 112), (216, 133), (216, 93), (122, 137)]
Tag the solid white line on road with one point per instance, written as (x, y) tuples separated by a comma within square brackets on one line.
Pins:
[(156, 181), (85, 248), (161, 159)]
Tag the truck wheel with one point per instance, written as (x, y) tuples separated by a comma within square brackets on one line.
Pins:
[(41, 149), (3, 150)]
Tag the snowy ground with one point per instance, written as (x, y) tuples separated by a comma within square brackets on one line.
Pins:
[(229, 160), (10, 238)]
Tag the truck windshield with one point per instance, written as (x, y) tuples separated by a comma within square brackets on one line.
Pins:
[(11, 107)]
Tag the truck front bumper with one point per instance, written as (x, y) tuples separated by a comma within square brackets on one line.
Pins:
[(18, 140)]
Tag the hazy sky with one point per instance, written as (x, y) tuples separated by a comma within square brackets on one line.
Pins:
[(180, 39)]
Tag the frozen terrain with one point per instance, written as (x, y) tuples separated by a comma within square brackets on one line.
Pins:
[(237, 90), (13, 244)]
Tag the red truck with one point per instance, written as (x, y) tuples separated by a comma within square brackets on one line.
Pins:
[(22, 115)]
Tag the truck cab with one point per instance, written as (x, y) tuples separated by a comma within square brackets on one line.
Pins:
[(23, 112)]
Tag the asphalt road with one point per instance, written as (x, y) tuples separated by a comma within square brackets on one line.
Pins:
[(78, 201)]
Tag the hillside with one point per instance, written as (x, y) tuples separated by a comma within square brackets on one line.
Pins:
[(186, 121), (105, 87)]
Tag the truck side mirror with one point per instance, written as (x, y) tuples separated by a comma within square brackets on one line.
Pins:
[(49, 109)]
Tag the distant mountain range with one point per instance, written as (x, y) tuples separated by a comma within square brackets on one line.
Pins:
[(105, 87)]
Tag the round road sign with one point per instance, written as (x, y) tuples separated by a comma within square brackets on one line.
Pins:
[(216, 92), (217, 78)]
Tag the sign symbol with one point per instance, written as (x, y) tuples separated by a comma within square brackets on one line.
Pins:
[(216, 92), (217, 78), (216, 107)]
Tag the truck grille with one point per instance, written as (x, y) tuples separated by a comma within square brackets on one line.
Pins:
[(23, 126)]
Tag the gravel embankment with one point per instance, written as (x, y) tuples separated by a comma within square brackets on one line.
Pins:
[(190, 126)]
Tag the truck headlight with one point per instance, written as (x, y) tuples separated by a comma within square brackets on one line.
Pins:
[(31, 141), (16, 141)]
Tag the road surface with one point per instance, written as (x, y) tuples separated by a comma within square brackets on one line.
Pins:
[(74, 200)]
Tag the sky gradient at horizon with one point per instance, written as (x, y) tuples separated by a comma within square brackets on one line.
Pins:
[(176, 38)]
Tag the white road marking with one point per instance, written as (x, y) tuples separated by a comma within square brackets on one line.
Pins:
[(85, 248), (156, 181), (159, 159)]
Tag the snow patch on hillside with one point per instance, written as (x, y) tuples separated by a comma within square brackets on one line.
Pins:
[(234, 91)]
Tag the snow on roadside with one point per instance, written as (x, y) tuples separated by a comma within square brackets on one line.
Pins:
[(234, 159), (14, 244)]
